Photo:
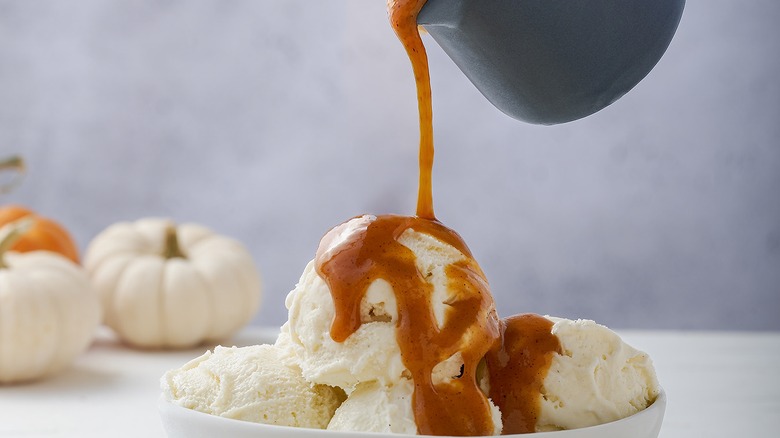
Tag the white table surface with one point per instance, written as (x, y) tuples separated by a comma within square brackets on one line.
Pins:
[(719, 384)]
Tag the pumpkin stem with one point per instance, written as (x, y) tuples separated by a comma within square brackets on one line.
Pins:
[(14, 163), (10, 233), (172, 249)]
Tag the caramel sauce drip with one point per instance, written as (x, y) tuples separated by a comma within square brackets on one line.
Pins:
[(518, 351), (403, 18), (518, 366), (457, 407)]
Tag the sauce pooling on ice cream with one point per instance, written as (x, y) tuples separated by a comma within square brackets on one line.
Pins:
[(517, 367), (456, 407), (518, 347)]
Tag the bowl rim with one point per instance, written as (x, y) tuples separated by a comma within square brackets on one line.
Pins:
[(167, 407)]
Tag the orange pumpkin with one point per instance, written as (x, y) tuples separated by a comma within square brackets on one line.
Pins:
[(44, 234)]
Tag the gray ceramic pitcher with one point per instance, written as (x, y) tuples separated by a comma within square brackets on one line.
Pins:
[(553, 61)]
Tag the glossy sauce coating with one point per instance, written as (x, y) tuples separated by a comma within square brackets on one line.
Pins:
[(518, 365), (456, 407)]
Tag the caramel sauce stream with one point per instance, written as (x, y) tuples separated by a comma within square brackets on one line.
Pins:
[(403, 19), (517, 366)]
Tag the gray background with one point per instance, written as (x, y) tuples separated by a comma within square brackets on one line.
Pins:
[(273, 120)]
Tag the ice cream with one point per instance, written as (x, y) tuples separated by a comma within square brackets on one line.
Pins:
[(552, 373), (394, 312), (597, 378), (371, 352), (593, 379), (368, 363), (544, 373), (251, 384), (390, 299)]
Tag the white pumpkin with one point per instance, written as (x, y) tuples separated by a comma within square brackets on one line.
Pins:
[(48, 312), (168, 286)]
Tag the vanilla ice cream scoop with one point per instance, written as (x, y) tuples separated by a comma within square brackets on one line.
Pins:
[(551, 374), (372, 351), (390, 300), (251, 384), (595, 379)]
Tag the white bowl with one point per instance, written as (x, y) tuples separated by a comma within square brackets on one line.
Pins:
[(181, 422)]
